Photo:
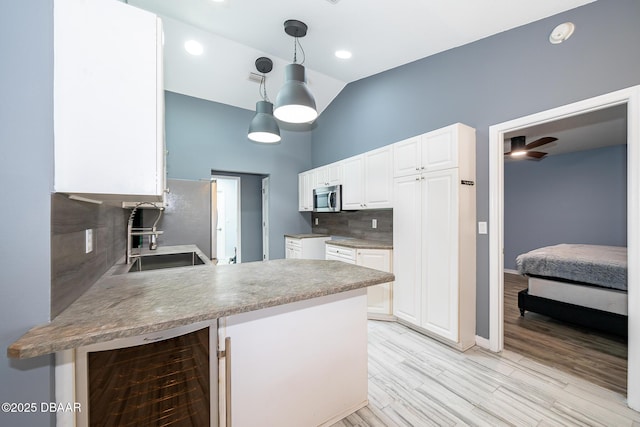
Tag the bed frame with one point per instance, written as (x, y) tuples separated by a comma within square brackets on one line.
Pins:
[(584, 316)]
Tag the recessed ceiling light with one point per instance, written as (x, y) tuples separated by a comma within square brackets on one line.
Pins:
[(193, 47), (343, 54), (561, 32)]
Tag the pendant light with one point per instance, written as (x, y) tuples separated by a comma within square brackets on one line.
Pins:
[(295, 103), (263, 127)]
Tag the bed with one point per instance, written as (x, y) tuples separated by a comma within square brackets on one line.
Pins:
[(577, 283)]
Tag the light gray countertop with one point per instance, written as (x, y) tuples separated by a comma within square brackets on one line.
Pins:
[(125, 305), (305, 236), (359, 244)]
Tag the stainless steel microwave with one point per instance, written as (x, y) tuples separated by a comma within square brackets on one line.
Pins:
[(327, 199)]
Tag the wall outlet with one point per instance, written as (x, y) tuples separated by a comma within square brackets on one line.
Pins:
[(482, 227), (374, 223), (88, 235), (316, 220)]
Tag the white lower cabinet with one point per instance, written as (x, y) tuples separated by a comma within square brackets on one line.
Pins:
[(299, 364), (379, 297), (304, 248), (435, 259)]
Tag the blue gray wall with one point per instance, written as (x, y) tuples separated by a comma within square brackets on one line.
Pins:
[(569, 198), (203, 136), (26, 172), (499, 78)]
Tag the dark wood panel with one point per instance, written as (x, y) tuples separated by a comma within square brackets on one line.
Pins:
[(164, 383), (595, 356)]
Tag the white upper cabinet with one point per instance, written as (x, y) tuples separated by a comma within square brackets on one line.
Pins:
[(108, 101), (353, 183), (305, 191), (368, 180), (321, 177), (406, 157), (378, 178), (432, 151), (328, 175), (334, 173)]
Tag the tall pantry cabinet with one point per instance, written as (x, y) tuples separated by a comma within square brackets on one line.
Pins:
[(434, 234)]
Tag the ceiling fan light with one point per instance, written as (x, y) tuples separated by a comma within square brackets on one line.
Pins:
[(263, 127), (518, 153), (295, 103)]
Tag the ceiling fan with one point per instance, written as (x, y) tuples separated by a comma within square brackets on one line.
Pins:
[(520, 148)]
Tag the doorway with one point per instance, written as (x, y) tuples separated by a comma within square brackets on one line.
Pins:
[(630, 97), (225, 229)]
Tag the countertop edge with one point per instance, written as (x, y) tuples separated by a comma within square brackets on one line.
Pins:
[(359, 244), (19, 350)]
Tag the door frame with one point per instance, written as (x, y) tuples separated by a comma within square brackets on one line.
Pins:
[(265, 218), (630, 97)]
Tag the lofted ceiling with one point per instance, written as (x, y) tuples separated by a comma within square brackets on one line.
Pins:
[(381, 36)]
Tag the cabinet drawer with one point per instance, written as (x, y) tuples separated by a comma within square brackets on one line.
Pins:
[(293, 243), (341, 253)]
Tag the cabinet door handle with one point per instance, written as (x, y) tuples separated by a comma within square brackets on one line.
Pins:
[(227, 384)]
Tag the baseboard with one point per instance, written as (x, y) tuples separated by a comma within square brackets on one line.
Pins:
[(483, 342), (344, 414), (510, 271)]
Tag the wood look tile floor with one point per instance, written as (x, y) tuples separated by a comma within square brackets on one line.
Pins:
[(417, 381), (597, 357)]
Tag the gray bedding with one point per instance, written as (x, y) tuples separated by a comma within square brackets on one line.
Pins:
[(604, 266)]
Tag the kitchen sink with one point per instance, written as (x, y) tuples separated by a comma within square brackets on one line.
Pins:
[(156, 262)]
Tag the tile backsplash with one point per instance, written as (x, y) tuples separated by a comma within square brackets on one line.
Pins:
[(72, 270), (356, 224)]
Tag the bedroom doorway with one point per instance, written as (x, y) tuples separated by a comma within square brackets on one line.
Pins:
[(497, 133)]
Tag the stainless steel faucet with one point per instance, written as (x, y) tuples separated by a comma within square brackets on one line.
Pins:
[(152, 232)]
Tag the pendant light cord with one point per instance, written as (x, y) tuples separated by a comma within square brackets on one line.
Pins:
[(262, 90), (296, 43)]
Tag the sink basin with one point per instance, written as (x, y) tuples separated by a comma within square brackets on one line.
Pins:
[(156, 262)]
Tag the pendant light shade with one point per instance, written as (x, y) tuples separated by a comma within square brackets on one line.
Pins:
[(295, 103), (263, 127)]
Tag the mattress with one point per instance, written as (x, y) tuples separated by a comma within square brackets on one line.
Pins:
[(596, 297), (604, 266)]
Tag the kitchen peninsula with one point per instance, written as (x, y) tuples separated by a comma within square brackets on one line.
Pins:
[(306, 317)]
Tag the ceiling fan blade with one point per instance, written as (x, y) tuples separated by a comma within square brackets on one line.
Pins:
[(536, 154), (537, 143)]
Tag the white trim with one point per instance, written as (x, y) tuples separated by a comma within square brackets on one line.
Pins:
[(65, 390), (265, 217), (482, 342), (631, 97), (510, 271)]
